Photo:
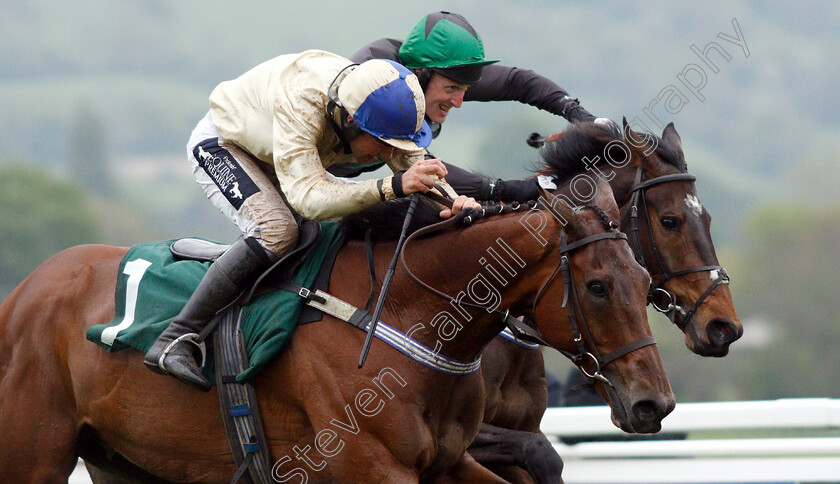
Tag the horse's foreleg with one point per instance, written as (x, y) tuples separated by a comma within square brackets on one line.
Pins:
[(37, 421), (497, 447), (466, 471)]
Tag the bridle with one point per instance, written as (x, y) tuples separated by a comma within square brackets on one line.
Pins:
[(663, 300), (586, 352)]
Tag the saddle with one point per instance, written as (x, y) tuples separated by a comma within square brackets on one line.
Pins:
[(207, 251)]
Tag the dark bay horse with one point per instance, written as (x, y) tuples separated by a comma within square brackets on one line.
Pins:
[(669, 231), (395, 420)]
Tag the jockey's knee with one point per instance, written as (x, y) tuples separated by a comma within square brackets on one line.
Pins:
[(278, 238)]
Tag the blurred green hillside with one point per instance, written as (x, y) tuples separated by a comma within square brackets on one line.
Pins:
[(146, 68), (97, 100)]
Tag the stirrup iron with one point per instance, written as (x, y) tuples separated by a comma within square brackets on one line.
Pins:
[(192, 338)]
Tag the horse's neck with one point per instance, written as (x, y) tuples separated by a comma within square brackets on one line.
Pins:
[(492, 264)]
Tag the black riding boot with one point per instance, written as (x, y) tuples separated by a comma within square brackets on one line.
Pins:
[(220, 285)]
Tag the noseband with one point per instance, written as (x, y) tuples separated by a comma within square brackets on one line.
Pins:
[(586, 352), (663, 300)]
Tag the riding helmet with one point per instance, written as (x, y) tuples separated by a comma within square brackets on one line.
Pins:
[(447, 44), (386, 101)]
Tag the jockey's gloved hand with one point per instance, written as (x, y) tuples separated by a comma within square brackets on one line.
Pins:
[(470, 215), (608, 124)]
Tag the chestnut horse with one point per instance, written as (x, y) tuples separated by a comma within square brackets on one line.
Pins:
[(669, 231), (395, 420)]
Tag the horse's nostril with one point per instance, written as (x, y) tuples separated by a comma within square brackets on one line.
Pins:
[(722, 332), (646, 411)]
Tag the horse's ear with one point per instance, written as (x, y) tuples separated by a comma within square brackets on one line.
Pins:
[(605, 199), (670, 136), (634, 139)]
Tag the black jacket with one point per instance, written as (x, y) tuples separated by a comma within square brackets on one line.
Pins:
[(498, 83)]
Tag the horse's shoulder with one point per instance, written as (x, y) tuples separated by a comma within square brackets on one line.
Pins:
[(74, 271)]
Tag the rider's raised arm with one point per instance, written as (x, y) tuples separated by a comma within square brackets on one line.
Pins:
[(503, 83)]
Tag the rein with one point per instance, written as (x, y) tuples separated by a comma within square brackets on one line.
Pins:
[(525, 333), (663, 300)]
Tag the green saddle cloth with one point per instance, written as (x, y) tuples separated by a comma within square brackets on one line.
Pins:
[(152, 287)]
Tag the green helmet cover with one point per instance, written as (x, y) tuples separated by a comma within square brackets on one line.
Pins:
[(443, 40)]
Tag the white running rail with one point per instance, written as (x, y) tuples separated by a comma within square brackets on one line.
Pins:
[(790, 440)]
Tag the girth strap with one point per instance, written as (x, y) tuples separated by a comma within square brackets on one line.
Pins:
[(238, 402), (301, 291)]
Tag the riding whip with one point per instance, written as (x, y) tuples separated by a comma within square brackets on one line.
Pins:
[(386, 283)]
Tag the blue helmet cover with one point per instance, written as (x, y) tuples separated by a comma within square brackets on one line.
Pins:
[(390, 112)]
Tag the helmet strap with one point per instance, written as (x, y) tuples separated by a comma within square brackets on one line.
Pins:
[(345, 130), (350, 129)]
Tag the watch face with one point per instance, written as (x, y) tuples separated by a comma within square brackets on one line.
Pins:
[(547, 182)]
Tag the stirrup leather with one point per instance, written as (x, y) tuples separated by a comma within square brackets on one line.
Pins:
[(192, 338)]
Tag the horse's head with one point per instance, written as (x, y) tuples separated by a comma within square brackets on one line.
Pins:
[(671, 234), (592, 308)]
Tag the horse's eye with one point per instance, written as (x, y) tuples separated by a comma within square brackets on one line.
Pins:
[(670, 223), (597, 288)]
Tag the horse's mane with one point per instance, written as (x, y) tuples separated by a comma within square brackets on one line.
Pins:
[(385, 220), (563, 155)]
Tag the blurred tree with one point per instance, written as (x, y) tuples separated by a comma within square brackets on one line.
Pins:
[(39, 216), (793, 283), (815, 177), (86, 158)]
